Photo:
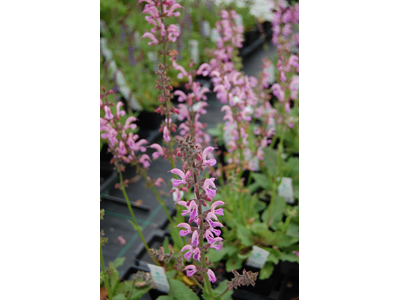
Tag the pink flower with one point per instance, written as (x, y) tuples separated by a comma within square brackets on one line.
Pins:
[(182, 96), (152, 37), (145, 160), (122, 150), (187, 227), (195, 239), (204, 69), (211, 276), (211, 222), (296, 252), (158, 181), (196, 254), (159, 152), (122, 112), (179, 68), (166, 134), (211, 161), (173, 33), (206, 187), (218, 211), (128, 122), (184, 177), (217, 243), (187, 255), (108, 115), (171, 12), (190, 270)]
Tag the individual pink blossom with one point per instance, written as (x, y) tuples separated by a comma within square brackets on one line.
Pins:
[(195, 239), (173, 33), (211, 161), (190, 270), (128, 122), (171, 12), (158, 181), (206, 187), (159, 152), (187, 255), (121, 240), (187, 227), (166, 134), (211, 275), (145, 160), (184, 177), (120, 113), (218, 211), (151, 36), (108, 115)]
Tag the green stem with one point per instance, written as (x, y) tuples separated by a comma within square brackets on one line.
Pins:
[(109, 294), (198, 283), (162, 202), (134, 218)]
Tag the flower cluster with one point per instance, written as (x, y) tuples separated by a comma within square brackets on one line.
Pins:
[(121, 143), (162, 34), (205, 191)]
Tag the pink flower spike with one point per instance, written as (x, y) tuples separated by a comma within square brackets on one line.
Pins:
[(171, 12), (211, 276), (190, 270), (184, 232), (108, 115), (166, 134), (209, 181), (152, 37)]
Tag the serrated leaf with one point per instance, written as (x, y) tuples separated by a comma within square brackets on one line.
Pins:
[(276, 212), (233, 263), (266, 271), (139, 292), (180, 291), (215, 256), (285, 241), (244, 235)]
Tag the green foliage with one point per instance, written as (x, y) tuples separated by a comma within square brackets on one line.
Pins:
[(220, 288), (276, 212), (266, 271), (270, 160), (176, 238), (233, 263), (178, 291), (244, 235)]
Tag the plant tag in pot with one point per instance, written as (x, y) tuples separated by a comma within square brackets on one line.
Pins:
[(257, 258), (159, 278), (214, 35), (285, 189), (206, 28), (194, 50)]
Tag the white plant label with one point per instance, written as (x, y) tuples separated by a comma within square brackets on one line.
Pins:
[(214, 35), (159, 278), (239, 20), (194, 50), (271, 71), (206, 28), (285, 189), (257, 258)]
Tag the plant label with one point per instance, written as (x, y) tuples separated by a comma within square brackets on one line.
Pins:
[(214, 35), (159, 278), (285, 189), (239, 20), (206, 28), (257, 258), (194, 50)]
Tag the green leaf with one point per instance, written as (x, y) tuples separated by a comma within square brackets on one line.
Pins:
[(215, 256), (118, 262), (119, 297), (166, 245), (233, 263), (262, 181), (289, 257), (276, 213), (266, 271), (136, 228), (230, 249), (293, 230), (165, 297), (244, 256), (170, 274), (220, 288), (176, 238), (285, 241), (270, 160), (244, 235), (180, 291)]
